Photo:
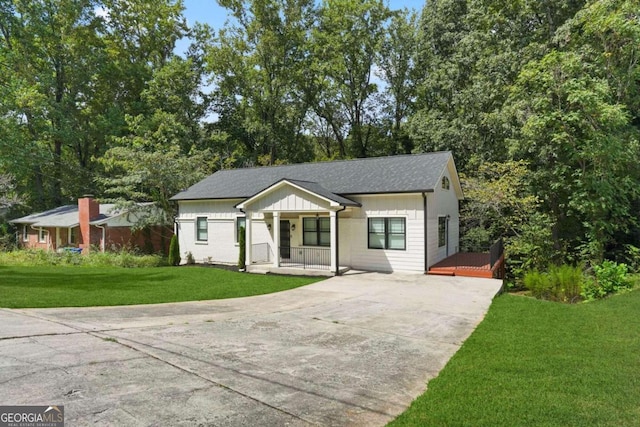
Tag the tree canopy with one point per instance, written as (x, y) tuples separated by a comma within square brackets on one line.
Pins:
[(538, 101)]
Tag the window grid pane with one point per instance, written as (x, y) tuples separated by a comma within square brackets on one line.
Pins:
[(310, 238), (325, 238)]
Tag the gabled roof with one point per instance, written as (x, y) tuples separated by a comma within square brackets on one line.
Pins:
[(67, 216), (309, 187), (414, 173)]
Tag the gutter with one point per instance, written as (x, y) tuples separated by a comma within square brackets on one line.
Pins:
[(426, 234)]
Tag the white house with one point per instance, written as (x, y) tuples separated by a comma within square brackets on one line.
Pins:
[(381, 214)]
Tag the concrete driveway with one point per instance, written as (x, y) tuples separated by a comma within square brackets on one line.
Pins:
[(351, 350)]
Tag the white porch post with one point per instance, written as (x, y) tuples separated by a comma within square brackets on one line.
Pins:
[(247, 240), (334, 241), (276, 238)]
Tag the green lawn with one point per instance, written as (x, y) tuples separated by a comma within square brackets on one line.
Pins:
[(22, 287), (540, 363)]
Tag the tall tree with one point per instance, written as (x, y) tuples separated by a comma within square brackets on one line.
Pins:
[(582, 150), (73, 69), (343, 52), (256, 60), (397, 61)]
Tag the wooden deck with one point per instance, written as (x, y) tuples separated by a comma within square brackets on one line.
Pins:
[(469, 265)]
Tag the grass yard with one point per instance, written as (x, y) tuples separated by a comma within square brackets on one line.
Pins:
[(539, 363), (22, 287)]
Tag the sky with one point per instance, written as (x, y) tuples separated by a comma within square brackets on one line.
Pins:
[(208, 11)]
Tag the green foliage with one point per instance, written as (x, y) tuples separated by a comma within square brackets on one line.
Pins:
[(70, 74), (242, 249), (531, 249), (41, 258), (560, 283), (174, 251), (610, 277)]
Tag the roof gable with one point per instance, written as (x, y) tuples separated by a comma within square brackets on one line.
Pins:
[(378, 175), (304, 188)]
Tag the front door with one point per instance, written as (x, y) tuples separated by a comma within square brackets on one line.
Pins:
[(285, 239)]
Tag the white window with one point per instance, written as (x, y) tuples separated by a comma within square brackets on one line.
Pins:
[(387, 233), (25, 233), (241, 222), (42, 235), (202, 229)]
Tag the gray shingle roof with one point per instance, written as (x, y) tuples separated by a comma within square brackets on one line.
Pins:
[(65, 216), (394, 174)]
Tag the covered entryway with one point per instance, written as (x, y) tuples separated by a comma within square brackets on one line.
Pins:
[(303, 222)]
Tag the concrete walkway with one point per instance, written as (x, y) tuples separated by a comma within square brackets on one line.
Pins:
[(351, 350)]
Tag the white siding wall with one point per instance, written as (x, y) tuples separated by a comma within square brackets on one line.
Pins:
[(221, 245), (289, 198), (354, 249), (442, 203)]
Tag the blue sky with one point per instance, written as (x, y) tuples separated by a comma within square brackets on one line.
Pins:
[(210, 12)]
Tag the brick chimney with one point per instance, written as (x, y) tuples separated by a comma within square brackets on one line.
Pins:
[(88, 210)]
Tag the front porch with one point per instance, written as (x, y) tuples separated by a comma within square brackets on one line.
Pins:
[(301, 221)]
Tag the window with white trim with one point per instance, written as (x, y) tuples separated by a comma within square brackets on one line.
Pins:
[(25, 233), (241, 222), (387, 233), (202, 229), (42, 235), (316, 231)]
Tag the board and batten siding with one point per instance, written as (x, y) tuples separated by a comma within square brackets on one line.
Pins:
[(221, 245), (354, 231), (288, 198)]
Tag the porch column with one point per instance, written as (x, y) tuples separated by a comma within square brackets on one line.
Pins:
[(334, 241), (276, 238), (247, 241)]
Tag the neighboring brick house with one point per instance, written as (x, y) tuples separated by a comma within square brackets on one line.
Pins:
[(88, 224)]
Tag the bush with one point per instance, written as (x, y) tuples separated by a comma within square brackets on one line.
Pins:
[(174, 251), (561, 283), (610, 277), (242, 249), (39, 257)]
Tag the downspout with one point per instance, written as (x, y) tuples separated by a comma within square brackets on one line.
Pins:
[(426, 234), (104, 237), (338, 240)]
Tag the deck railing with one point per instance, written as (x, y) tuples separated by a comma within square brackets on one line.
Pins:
[(495, 252), (261, 252), (307, 258)]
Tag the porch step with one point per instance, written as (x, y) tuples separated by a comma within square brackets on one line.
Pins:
[(441, 272)]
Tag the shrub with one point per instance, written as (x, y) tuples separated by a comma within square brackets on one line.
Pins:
[(190, 259), (39, 257), (610, 277), (242, 249), (561, 283), (174, 251)]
